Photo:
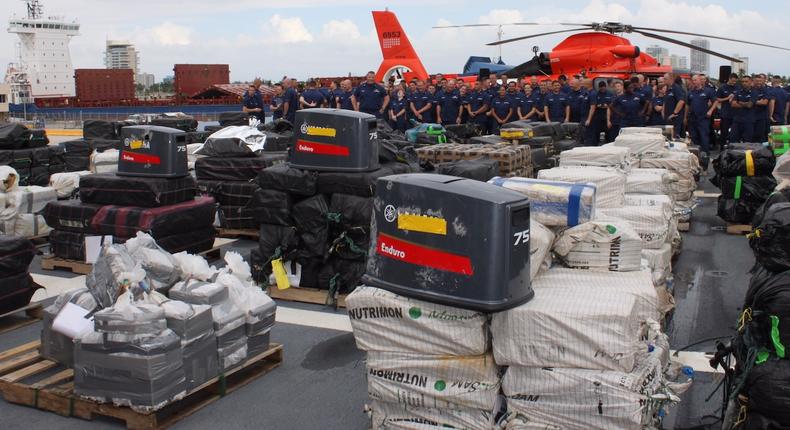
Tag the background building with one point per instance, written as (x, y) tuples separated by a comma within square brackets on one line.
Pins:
[(5, 98), (121, 54), (147, 80), (657, 52), (675, 61), (700, 61), (740, 68)]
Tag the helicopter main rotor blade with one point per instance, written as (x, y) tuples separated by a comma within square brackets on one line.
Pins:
[(688, 45), (516, 39), (712, 37)]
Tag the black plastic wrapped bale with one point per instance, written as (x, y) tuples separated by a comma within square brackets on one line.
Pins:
[(286, 178), (351, 211), (341, 276), (258, 266), (276, 142), (196, 241), (213, 128), (742, 196), (67, 244), (185, 123), (361, 184), (16, 253), (38, 138), (101, 145), (335, 140), (449, 240), (781, 196), (99, 129), (153, 151), (197, 136), (228, 193), (277, 241), (768, 299), (351, 244), (311, 219), (539, 141), (109, 189), (748, 162), (539, 158), (487, 139), (565, 144), (571, 130), (126, 221), (227, 119), (388, 152), (480, 169), (76, 147), (771, 241), (277, 126), (271, 207), (311, 271), (237, 168), (16, 291), (768, 389), (39, 176), (14, 136), (71, 215), (237, 218), (461, 132), (225, 147)]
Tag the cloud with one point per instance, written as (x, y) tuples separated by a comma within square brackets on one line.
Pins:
[(340, 30), (289, 30), (169, 34)]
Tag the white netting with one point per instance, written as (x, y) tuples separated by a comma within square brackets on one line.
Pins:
[(444, 382), (392, 416), (651, 181), (642, 144), (104, 162), (651, 222), (384, 321), (596, 156), (66, 183), (610, 245), (540, 243), (610, 183)]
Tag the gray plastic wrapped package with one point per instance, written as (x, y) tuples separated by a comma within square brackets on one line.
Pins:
[(610, 245), (652, 223), (145, 372), (130, 318), (642, 144), (596, 156), (26, 225), (201, 361), (540, 244), (560, 398), (104, 162), (577, 323), (259, 309), (233, 354), (554, 203), (641, 130), (108, 274), (66, 183), (609, 183), (57, 346), (651, 181), (199, 292), (394, 416), (385, 321), (258, 343), (161, 269), (28, 200), (441, 382), (188, 321)]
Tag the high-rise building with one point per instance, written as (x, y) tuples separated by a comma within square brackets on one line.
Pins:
[(121, 54), (657, 52), (700, 61), (147, 80), (678, 62), (741, 68)]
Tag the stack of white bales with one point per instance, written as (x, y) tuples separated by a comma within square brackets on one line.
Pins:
[(20, 207), (105, 161), (426, 362), (66, 184)]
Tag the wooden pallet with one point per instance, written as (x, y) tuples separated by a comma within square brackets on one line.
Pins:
[(245, 233), (739, 229), (684, 226), (22, 369), (39, 239), (51, 262), (9, 321), (304, 295)]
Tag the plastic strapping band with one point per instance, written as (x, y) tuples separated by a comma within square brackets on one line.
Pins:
[(223, 385), (738, 185), (71, 406), (775, 338), (35, 397), (574, 202), (749, 163)]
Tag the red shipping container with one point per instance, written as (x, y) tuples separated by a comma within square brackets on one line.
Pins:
[(190, 79), (98, 85)]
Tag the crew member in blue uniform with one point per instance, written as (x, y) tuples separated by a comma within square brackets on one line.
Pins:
[(477, 107), (615, 116), (742, 104), (540, 99), (725, 111), (656, 108), (448, 104), (501, 111), (331, 98), (629, 107), (311, 97), (252, 103), (421, 104), (760, 109), (514, 94), (290, 100), (277, 102), (370, 97), (701, 104), (344, 96), (464, 92), (397, 110), (778, 106), (564, 87), (526, 109), (555, 105), (578, 101), (674, 103), (599, 118)]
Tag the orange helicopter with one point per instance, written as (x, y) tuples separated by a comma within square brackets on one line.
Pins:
[(599, 53)]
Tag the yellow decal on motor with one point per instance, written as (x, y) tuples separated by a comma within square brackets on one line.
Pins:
[(136, 144), (422, 223), (321, 131)]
